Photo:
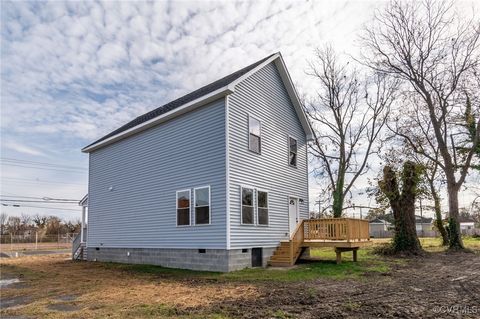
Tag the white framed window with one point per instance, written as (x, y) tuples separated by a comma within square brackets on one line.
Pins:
[(292, 151), (262, 207), (247, 206), (201, 201), (254, 135), (183, 207)]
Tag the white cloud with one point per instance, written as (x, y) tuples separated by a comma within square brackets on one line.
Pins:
[(24, 149), (73, 71)]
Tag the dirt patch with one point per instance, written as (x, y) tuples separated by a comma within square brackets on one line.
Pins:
[(434, 286), (15, 301), (67, 298), (437, 285), (63, 307)]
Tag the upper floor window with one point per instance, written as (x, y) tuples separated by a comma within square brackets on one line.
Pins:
[(292, 154), (254, 135), (247, 206), (183, 207), (262, 208), (202, 205)]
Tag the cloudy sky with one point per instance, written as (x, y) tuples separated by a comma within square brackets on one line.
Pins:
[(73, 71)]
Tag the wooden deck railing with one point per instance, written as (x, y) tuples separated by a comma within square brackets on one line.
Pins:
[(348, 229), (296, 241)]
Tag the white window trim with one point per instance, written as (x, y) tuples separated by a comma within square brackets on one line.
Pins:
[(189, 208), (261, 139), (209, 205), (288, 151), (268, 207), (241, 204)]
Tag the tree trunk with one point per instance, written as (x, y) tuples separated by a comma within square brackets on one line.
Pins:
[(438, 216), (338, 201), (455, 238), (403, 206)]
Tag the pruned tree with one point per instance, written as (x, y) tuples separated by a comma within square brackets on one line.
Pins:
[(431, 179), (435, 53), (347, 115), (402, 202)]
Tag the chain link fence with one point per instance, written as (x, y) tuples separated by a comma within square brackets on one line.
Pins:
[(36, 241)]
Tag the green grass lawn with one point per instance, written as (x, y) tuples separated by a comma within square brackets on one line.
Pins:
[(325, 267)]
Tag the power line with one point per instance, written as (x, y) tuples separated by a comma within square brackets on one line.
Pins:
[(47, 198), (45, 168), (29, 206), (26, 180), (37, 201), (16, 160)]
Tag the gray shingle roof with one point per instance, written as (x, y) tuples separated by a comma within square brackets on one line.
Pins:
[(184, 99)]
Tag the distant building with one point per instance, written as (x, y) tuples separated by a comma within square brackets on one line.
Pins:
[(466, 223)]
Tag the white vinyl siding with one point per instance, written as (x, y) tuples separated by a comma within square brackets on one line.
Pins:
[(145, 171), (264, 97)]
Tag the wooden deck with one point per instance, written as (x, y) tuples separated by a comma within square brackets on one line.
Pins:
[(342, 234)]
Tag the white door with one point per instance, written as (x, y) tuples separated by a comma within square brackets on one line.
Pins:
[(292, 213)]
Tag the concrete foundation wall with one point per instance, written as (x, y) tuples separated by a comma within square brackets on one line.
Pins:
[(211, 260)]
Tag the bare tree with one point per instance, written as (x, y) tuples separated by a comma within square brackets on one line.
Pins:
[(436, 55), (3, 222), (13, 224), (25, 220), (347, 115), (40, 221)]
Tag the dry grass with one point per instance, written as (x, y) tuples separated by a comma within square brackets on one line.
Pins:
[(108, 291), (103, 290)]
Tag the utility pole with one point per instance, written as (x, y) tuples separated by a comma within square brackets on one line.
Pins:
[(421, 215)]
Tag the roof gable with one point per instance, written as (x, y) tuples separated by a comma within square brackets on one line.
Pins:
[(201, 96)]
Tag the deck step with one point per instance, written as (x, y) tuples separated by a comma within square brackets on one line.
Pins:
[(278, 264)]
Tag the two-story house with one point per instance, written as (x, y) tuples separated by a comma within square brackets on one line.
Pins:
[(213, 180)]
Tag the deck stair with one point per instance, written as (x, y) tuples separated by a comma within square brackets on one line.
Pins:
[(79, 249), (343, 234), (290, 250)]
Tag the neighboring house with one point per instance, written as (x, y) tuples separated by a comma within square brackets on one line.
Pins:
[(423, 223), (213, 180), (383, 226), (466, 223), (378, 225)]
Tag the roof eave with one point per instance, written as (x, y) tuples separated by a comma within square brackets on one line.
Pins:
[(161, 118)]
